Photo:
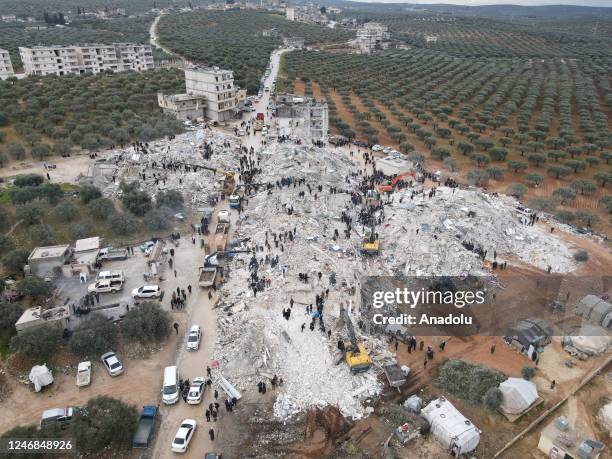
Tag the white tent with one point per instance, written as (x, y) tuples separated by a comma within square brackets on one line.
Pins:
[(40, 376), (518, 394), (453, 430), (590, 339)]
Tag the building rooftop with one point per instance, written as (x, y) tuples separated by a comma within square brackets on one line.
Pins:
[(37, 313), (183, 97), (48, 252), (197, 68), (90, 243)]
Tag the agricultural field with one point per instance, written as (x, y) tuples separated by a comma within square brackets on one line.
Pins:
[(41, 116), (533, 128), (120, 30), (481, 37), (233, 39), (35, 8)]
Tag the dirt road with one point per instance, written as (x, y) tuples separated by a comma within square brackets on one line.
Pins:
[(67, 169)]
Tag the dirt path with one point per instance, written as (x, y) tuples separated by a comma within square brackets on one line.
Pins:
[(67, 170)]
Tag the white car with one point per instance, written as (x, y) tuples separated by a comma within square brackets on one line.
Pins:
[(147, 291), (387, 150), (184, 435), (264, 130), (377, 148), (196, 391), (241, 132), (106, 286), (193, 338), (112, 364)]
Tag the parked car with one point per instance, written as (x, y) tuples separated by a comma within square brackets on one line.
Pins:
[(106, 286), (241, 132), (212, 456), (183, 436), (83, 374), (387, 150), (111, 275), (377, 148), (196, 391), (112, 364), (194, 337), (61, 416), (147, 247), (147, 291)]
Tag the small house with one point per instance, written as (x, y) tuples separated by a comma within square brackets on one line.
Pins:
[(44, 260), (559, 439)]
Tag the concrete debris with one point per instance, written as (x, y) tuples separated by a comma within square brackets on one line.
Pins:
[(257, 342), (431, 232), (157, 162)]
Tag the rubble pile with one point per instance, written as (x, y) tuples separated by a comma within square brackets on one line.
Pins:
[(256, 342), (454, 216), (198, 187)]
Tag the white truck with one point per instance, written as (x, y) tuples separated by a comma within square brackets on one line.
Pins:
[(110, 254), (83, 374)]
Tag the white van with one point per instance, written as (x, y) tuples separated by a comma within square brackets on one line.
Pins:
[(170, 388), (111, 275)]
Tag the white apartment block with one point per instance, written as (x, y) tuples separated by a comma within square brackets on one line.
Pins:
[(94, 58), (217, 87), (6, 67), (372, 36)]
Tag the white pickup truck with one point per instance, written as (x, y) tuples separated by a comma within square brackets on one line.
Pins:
[(83, 374)]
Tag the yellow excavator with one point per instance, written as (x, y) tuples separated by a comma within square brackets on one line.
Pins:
[(355, 353), (370, 244)]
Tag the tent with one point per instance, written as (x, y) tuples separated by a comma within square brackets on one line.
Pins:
[(590, 339), (454, 431), (531, 332), (595, 309), (40, 376), (518, 394)]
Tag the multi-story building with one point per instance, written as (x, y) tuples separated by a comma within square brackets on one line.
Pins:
[(6, 67), (217, 87), (308, 117), (94, 58), (372, 36), (182, 106), (294, 42)]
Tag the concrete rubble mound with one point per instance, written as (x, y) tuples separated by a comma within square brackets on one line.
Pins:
[(452, 217), (256, 342), (198, 186)]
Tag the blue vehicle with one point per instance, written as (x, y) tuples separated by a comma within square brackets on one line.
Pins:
[(146, 427)]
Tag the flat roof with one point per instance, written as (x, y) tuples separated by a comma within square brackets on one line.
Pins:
[(37, 313), (90, 243), (52, 251)]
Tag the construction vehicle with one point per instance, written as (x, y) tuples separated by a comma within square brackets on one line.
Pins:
[(221, 235), (355, 353), (234, 201), (390, 186), (370, 244), (207, 277)]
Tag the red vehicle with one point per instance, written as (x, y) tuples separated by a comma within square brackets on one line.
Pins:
[(260, 116)]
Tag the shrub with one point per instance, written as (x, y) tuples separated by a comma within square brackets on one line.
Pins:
[(172, 199), (493, 398), (159, 219), (34, 287), (146, 323), (39, 343), (42, 234), (123, 224), (93, 337), (138, 202), (15, 260), (528, 373), (9, 313), (28, 180), (581, 255), (101, 208), (467, 381), (104, 424), (89, 193)]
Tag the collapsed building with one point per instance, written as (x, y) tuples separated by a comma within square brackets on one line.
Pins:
[(302, 117)]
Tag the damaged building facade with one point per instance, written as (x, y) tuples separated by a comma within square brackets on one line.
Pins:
[(210, 93), (308, 117), (371, 37)]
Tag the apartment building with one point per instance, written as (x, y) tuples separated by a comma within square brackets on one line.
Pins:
[(6, 67), (372, 36), (93, 58), (182, 106), (307, 117), (217, 87)]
